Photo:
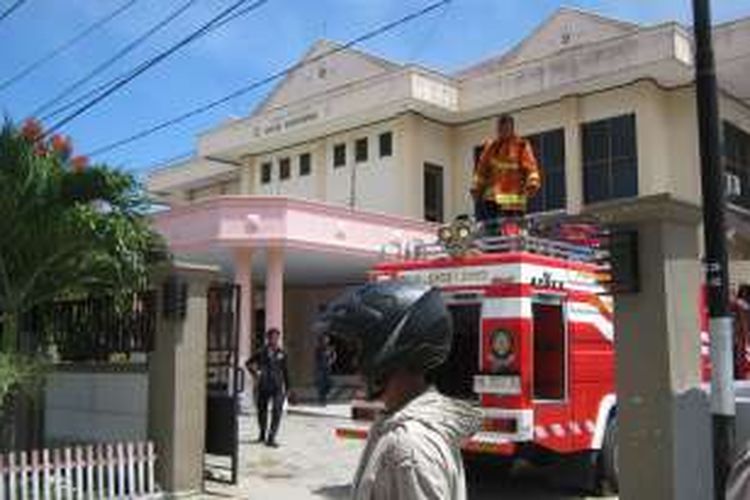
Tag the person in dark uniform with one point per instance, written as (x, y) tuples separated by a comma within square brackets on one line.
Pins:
[(268, 367)]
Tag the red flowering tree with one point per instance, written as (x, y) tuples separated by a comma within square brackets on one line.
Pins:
[(66, 228)]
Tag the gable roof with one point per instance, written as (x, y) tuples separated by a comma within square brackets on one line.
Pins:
[(567, 27), (319, 72)]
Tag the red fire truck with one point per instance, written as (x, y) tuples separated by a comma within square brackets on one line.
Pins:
[(533, 340)]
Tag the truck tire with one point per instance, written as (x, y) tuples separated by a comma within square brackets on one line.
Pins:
[(610, 463)]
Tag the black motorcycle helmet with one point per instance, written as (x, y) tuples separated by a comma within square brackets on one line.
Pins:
[(394, 325)]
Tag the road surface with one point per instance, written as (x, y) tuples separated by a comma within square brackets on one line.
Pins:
[(313, 464)]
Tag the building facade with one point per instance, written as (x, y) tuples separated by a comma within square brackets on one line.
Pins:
[(351, 154)]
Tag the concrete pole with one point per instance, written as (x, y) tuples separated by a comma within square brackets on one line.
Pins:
[(714, 229), (275, 289), (243, 276), (662, 414), (177, 380)]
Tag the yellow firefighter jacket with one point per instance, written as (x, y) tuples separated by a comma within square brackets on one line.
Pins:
[(507, 173)]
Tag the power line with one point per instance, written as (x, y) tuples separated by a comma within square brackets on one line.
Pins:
[(11, 9), (100, 88), (207, 27), (264, 81), (65, 46), (114, 58), (166, 162)]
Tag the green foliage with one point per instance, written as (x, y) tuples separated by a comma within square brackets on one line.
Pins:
[(66, 229), (19, 372)]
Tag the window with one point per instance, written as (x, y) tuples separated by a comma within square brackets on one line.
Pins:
[(265, 172), (623, 249), (360, 150), (455, 377), (477, 153), (610, 159), (549, 149), (285, 168), (386, 144), (339, 155), (736, 154), (304, 164), (549, 348), (433, 192)]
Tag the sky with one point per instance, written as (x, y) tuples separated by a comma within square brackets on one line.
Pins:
[(250, 48)]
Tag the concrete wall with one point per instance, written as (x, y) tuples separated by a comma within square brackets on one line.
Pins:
[(224, 187), (666, 131), (375, 178), (85, 405), (662, 414), (296, 186)]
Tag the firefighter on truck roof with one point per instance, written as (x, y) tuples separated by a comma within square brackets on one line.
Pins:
[(505, 176)]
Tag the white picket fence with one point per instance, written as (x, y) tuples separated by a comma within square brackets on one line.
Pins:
[(121, 470)]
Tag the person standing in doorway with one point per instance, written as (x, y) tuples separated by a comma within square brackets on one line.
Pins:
[(505, 177), (269, 369), (325, 357)]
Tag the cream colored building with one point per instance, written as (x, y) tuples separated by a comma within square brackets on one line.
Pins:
[(369, 143)]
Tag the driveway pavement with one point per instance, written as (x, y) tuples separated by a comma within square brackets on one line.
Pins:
[(312, 463)]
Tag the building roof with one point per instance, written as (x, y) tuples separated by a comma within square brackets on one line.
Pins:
[(319, 72), (567, 27)]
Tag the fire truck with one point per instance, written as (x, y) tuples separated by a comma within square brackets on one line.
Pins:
[(533, 339)]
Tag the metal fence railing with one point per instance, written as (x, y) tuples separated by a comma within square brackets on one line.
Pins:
[(92, 329)]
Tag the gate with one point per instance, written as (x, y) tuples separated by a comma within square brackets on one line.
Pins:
[(224, 381)]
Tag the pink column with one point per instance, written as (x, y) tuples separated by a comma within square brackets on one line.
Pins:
[(275, 289), (243, 276)]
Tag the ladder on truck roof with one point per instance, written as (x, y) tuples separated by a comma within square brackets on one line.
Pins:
[(464, 237), (519, 243)]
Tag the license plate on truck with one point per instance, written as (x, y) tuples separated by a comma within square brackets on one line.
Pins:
[(497, 384)]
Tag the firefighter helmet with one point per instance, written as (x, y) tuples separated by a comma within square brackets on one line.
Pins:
[(395, 325)]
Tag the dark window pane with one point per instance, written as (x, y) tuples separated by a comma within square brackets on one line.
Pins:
[(553, 158), (595, 141), (549, 150), (339, 155), (624, 179), (536, 204), (554, 190), (624, 257), (285, 168), (477, 153), (610, 159), (736, 151), (265, 172), (304, 164), (433, 192), (360, 149), (537, 142), (595, 182), (386, 144), (623, 137)]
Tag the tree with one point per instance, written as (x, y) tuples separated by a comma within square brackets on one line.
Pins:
[(66, 228)]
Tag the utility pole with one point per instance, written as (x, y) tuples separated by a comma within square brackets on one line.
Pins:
[(713, 186)]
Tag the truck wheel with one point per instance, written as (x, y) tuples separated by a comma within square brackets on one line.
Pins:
[(610, 464)]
